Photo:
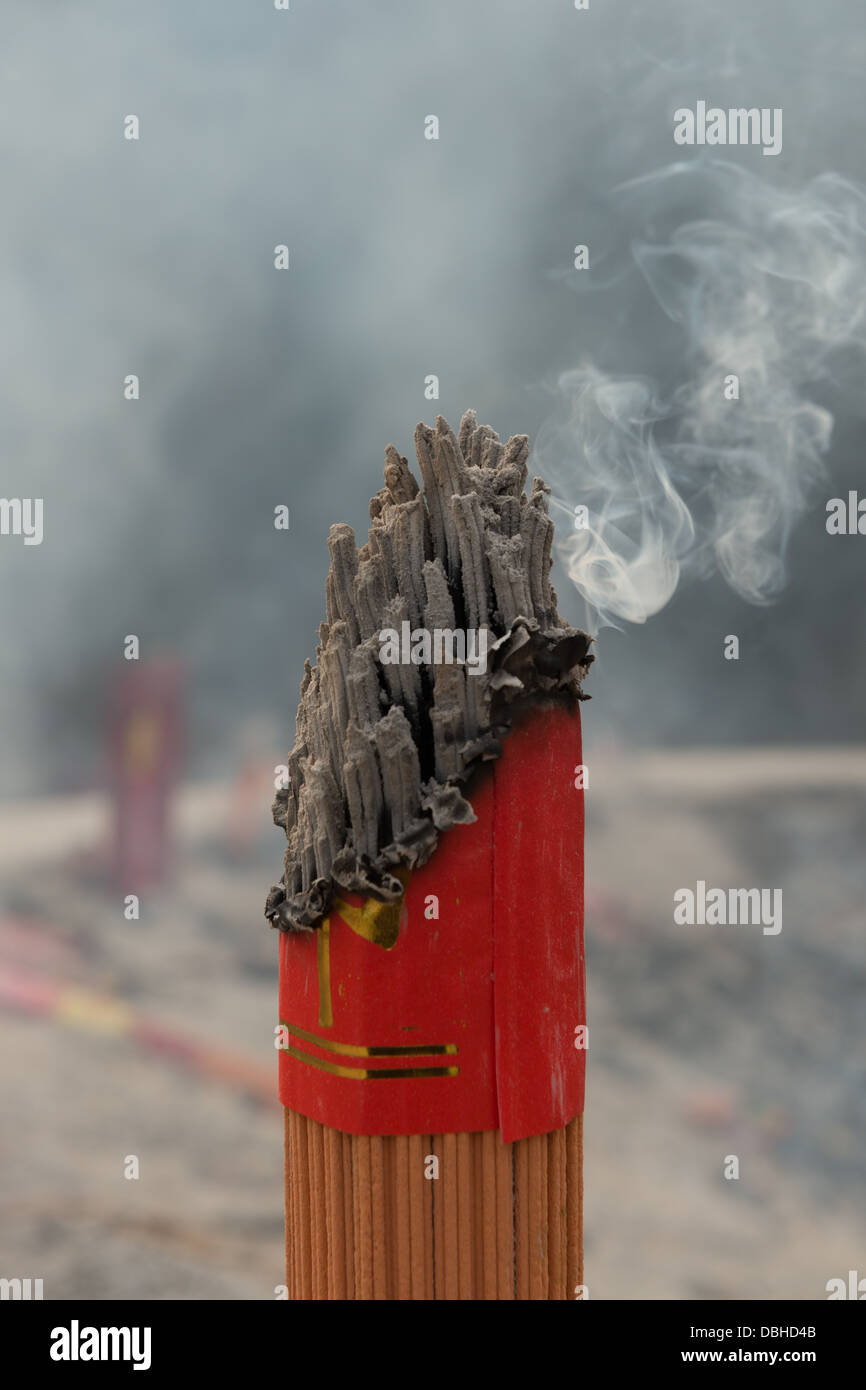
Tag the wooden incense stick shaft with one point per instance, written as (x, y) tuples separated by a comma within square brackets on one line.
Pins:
[(431, 1217)]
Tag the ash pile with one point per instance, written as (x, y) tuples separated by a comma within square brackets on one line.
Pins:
[(384, 747)]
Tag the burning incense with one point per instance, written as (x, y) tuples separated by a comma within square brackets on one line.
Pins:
[(442, 638)]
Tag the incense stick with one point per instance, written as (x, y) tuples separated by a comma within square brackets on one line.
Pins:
[(315, 1153), (348, 1213), (367, 1219), (364, 1200), (521, 1218), (288, 1186), (380, 1249), (465, 1216), (448, 1178), (487, 1206), (336, 1215), (403, 1218), (538, 1216), (420, 1222), (557, 1217), (574, 1201), (304, 1203)]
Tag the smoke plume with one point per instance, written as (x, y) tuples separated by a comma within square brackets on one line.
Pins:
[(680, 476)]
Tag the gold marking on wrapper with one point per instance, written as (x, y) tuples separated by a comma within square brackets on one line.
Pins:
[(377, 1050), (378, 923), (323, 962), (365, 1074), (374, 921)]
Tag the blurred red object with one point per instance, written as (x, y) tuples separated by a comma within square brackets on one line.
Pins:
[(712, 1108), (145, 724)]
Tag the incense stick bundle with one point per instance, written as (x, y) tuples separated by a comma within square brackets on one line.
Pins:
[(499, 1222), (432, 983)]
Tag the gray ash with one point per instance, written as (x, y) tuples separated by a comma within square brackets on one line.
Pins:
[(383, 749)]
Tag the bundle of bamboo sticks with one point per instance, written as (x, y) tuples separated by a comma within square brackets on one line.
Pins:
[(448, 1216)]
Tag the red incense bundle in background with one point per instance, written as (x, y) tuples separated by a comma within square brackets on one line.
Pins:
[(145, 747), (432, 984)]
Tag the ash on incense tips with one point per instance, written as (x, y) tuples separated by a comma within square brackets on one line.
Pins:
[(438, 630)]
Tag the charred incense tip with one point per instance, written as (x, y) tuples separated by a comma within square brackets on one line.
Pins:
[(436, 630)]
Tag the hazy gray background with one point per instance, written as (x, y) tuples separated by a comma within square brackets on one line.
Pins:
[(409, 257)]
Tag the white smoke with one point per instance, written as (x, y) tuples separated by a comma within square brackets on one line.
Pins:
[(678, 479)]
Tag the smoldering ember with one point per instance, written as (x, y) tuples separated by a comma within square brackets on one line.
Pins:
[(382, 748)]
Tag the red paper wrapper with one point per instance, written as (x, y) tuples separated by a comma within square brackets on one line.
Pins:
[(400, 1021)]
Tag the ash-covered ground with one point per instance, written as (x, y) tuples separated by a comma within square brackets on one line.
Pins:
[(705, 1042)]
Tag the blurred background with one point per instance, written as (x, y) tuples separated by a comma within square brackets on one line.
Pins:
[(153, 1036)]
